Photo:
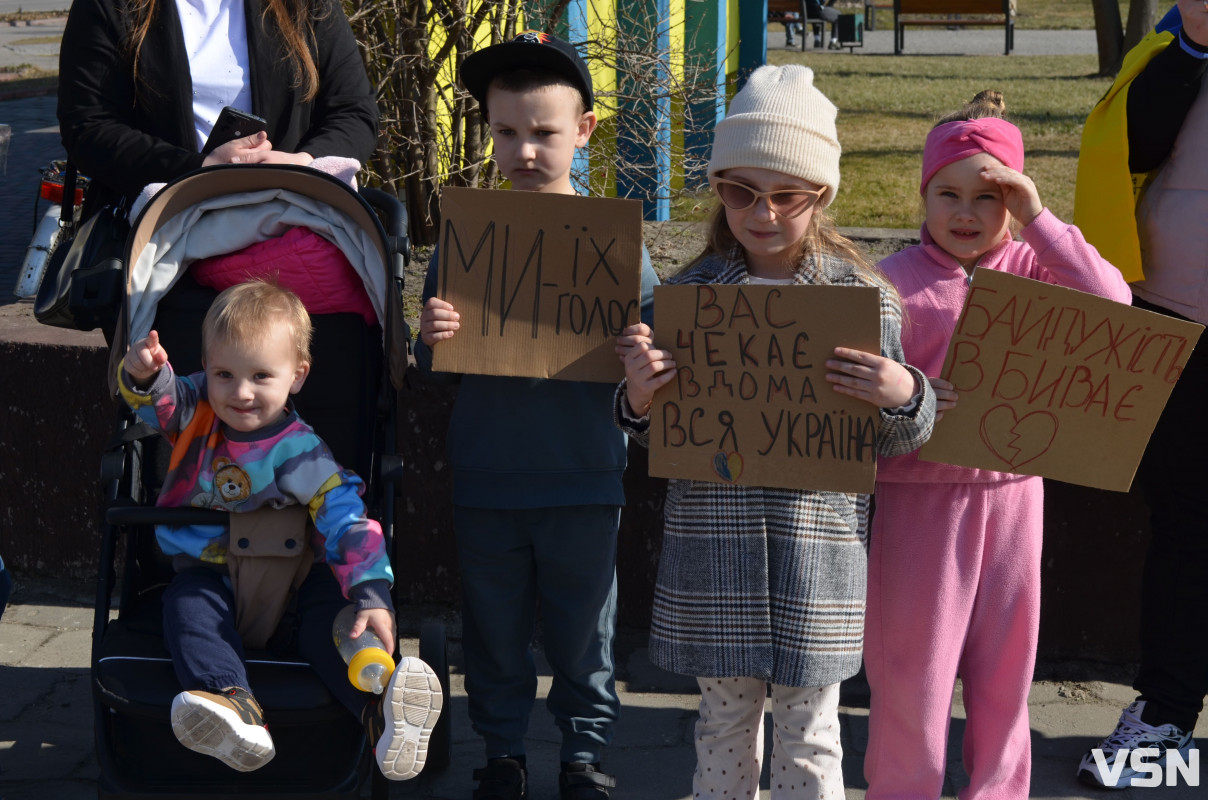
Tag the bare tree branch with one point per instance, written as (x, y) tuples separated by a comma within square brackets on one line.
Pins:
[(432, 131)]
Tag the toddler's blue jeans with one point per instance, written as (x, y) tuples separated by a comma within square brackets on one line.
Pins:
[(207, 654)]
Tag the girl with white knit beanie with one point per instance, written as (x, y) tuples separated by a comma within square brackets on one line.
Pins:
[(762, 585)]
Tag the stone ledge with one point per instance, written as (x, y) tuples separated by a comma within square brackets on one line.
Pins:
[(17, 325), (55, 416)]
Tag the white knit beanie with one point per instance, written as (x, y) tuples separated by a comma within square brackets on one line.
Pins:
[(779, 121)]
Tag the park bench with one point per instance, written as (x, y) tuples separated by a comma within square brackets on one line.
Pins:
[(849, 29), (870, 13), (778, 11), (950, 13)]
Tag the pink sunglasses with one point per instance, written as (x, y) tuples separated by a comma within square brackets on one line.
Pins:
[(786, 203)]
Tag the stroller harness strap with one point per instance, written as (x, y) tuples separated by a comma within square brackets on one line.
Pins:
[(269, 558)]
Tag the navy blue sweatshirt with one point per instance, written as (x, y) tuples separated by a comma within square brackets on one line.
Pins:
[(533, 442)]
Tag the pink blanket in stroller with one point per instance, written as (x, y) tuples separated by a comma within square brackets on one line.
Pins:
[(303, 262)]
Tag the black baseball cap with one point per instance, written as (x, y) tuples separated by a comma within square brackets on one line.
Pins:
[(530, 49)]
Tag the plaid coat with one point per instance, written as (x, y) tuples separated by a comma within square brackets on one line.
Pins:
[(763, 582)]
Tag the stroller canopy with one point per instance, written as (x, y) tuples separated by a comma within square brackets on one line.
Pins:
[(222, 210)]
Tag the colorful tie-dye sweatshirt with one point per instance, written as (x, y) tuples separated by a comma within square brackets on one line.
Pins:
[(283, 464)]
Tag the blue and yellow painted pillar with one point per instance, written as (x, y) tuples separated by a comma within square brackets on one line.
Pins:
[(753, 37), (706, 48), (712, 43), (577, 31), (644, 114)]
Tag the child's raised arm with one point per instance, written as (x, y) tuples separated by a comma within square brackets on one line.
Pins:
[(145, 359), (646, 368), (874, 379)]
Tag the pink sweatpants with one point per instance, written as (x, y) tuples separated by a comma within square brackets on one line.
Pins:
[(954, 588)]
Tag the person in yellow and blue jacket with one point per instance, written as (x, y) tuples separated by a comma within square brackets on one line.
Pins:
[(1142, 200)]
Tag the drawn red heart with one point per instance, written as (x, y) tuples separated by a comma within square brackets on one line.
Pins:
[(1017, 440)]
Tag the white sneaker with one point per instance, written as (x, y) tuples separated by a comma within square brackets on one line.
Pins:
[(411, 705), (1131, 734), (227, 725)]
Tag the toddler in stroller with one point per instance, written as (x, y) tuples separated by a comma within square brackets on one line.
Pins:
[(238, 444), (229, 666)]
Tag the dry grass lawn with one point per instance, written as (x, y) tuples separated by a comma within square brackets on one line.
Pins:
[(887, 105)]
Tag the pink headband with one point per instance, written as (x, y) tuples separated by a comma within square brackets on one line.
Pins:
[(953, 141)]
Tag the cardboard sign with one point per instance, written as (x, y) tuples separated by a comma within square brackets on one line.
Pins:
[(544, 283), (750, 403), (1056, 382)]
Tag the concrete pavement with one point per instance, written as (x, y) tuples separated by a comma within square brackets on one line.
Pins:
[(32, 42), (34, 143), (33, 136), (46, 748)]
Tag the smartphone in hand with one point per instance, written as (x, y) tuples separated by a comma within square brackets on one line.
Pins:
[(233, 124)]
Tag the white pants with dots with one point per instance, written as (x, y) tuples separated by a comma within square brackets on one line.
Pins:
[(807, 759)]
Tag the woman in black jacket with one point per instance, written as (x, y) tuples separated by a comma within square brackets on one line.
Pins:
[(126, 95)]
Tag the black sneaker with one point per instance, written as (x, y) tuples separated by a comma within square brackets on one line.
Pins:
[(584, 782), (502, 779)]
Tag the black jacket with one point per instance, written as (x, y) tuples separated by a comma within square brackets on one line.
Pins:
[(125, 141), (1158, 102)]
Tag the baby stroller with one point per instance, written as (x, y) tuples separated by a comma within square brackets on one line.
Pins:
[(350, 401)]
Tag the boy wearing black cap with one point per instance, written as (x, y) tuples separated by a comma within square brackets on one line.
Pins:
[(537, 468)]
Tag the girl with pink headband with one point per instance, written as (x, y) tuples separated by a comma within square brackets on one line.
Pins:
[(954, 561)]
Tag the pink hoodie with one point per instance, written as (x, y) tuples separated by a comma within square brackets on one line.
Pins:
[(933, 287)]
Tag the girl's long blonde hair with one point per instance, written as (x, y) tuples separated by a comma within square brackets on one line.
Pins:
[(293, 18)]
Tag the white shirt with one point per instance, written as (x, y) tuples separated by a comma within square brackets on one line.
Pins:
[(215, 33)]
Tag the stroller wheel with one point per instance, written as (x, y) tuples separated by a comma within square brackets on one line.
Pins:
[(434, 650)]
